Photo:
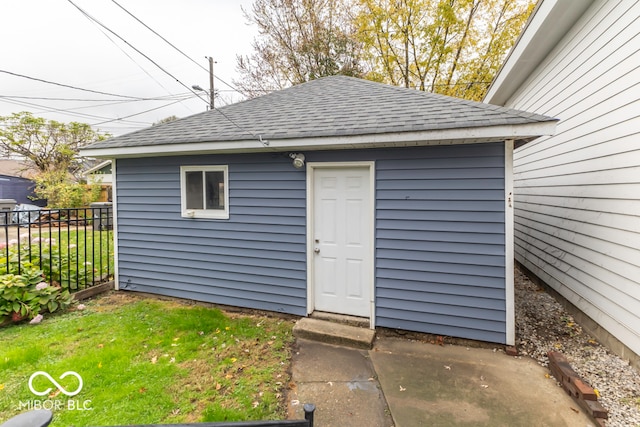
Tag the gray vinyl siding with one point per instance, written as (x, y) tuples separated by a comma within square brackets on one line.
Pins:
[(254, 259), (440, 242)]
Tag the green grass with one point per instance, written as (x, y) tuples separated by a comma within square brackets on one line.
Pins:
[(147, 361)]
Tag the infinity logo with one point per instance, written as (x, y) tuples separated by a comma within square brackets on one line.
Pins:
[(55, 383)]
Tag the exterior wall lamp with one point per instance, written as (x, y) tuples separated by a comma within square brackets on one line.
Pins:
[(298, 160)]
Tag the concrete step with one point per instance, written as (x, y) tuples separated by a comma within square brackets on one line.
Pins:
[(334, 333)]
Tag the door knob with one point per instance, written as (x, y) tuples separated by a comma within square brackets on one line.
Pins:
[(316, 250)]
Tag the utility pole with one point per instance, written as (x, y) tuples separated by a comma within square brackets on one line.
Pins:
[(211, 93)]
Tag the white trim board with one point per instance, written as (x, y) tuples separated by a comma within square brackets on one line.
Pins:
[(509, 243), (476, 135), (114, 207)]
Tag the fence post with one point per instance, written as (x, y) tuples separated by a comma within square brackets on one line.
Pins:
[(309, 409)]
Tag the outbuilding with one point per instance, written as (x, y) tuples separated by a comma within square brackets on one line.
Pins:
[(338, 195)]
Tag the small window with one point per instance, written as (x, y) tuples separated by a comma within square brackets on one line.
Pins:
[(204, 191)]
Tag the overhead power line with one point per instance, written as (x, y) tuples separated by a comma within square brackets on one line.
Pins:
[(70, 86), (137, 114), (137, 50), (129, 56), (181, 96), (58, 110), (172, 45)]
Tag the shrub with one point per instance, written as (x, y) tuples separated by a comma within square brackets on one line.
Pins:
[(60, 191), (27, 295), (60, 264)]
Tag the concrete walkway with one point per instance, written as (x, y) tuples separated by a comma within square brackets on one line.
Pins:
[(408, 383)]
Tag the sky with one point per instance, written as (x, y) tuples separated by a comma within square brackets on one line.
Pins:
[(52, 40)]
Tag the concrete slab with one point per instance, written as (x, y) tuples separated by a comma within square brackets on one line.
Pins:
[(426, 384), (341, 382), (334, 333)]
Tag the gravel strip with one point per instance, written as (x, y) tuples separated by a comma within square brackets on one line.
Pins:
[(542, 324)]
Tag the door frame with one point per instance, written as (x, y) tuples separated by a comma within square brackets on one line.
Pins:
[(311, 168)]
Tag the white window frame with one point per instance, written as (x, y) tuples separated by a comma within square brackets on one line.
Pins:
[(204, 213)]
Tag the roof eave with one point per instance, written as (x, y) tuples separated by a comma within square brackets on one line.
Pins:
[(96, 167), (548, 24), (521, 133)]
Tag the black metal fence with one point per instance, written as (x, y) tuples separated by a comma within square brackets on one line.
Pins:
[(72, 247), (42, 418)]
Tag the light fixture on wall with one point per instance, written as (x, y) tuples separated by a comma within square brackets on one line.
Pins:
[(298, 160)]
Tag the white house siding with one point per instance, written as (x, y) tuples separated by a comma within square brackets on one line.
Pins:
[(578, 192)]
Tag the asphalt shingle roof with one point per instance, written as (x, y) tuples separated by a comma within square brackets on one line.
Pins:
[(329, 107)]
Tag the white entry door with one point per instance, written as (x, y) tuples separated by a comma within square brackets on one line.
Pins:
[(342, 239)]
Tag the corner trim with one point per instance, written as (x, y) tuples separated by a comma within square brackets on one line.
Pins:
[(114, 190), (509, 243)]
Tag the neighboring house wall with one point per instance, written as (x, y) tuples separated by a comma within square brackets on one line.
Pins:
[(440, 235), (578, 192), (102, 175), (19, 189)]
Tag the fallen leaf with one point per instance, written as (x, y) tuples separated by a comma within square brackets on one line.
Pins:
[(218, 386), (255, 404), (200, 332), (595, 390), (402, 388), (100, 345), (574, 409), (54, 394), (154, 359), (228, 376), (142, 390)]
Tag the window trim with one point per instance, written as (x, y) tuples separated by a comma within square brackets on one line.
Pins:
[(204, 213)]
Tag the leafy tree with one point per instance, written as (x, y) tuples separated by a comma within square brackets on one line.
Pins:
[(46, 145), (51, 148), (61, 191), (453, 47), (165, 120), (300, 40)]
